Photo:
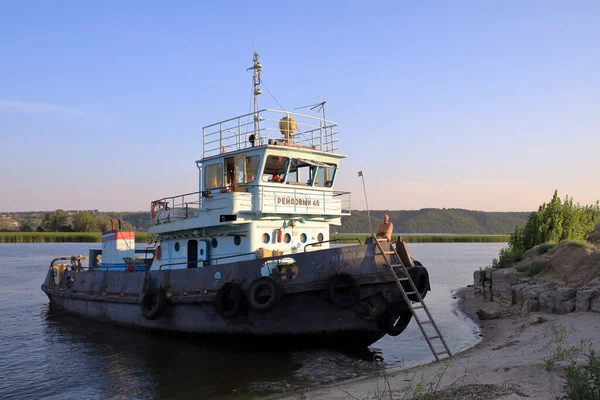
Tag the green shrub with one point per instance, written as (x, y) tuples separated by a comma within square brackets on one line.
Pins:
[(507, 258), (531, 269), (583, 382), (553, 222)]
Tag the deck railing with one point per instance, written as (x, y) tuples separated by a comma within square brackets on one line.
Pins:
[(256, 198), (268, 127), (174, 208)]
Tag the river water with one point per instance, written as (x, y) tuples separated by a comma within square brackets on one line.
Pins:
[(45, 354)]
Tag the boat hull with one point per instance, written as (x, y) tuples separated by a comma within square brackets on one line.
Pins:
[(304, 314)]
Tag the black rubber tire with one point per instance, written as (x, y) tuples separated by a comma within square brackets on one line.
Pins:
[(153, 304), (420, 278), (343, 290), (255, 298), (387, 319), (229, 300)]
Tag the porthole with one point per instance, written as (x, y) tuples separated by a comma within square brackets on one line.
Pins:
[(266, 238), (217, 276), (214, 242), (237, 240), (303, 238), (201, 252), (320, 237), (176, 246), (287, 238)]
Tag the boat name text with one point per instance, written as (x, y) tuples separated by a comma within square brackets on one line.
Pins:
[(298, 202)]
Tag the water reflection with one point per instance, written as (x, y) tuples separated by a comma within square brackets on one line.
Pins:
[(121, 362)]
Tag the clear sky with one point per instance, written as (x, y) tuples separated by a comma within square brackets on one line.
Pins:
[(487, 105)]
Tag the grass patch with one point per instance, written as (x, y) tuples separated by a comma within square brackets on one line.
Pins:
[(531, 269), (544, 247), (350, 238), (59, 237), (583, 381), (580, 243)]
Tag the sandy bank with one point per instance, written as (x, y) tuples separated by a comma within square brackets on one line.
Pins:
[(514, 360)]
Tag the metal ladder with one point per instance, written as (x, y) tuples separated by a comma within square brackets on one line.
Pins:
[(413, 309)]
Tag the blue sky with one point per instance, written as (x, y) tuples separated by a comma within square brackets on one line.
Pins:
[(478, 105)]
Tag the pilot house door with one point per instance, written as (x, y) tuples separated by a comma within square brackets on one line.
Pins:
[(240, 173), (192, 253)]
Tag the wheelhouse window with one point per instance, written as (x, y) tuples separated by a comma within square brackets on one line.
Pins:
[(213, 176), (301, 172), (275, 169), (241, 170), (251, 168), (325, 175)]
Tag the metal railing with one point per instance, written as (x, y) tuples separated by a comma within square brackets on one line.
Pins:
[(272, 127), (174, 208), (286, 199)]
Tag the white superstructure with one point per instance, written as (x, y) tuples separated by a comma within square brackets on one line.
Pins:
[(265, 189)]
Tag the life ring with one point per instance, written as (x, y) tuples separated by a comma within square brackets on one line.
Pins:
[(153, 209), (153, 304), (229, 300), (393, 324), (343, 290), (258, 299), (420, 278)]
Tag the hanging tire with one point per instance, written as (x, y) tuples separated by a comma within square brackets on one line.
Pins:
[(153, 304), (420, 278), (264, 294), (229, 300), (393, 324), (343, 290)]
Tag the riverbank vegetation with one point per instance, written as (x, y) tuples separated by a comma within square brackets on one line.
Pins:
[(553, 223), (59, 237)]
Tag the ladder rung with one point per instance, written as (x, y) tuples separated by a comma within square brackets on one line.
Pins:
[(433, 337), (402, 279), (410, 293), (396, 265), (417, 307), (443, 352), (425, 322), (389, 252), (382, 239)]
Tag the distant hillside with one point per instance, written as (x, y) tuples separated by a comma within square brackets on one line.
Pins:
[(427, 220), (435, 220)]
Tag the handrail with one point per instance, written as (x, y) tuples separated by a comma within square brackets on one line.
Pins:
[(205, 261), (311, 131), (332, 240)]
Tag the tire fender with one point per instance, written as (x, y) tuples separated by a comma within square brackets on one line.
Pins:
[(153, 304), (229, 300), (343, 290), (258, 301), (393, 324)]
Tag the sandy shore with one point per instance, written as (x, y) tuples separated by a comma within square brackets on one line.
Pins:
[(516, 359)]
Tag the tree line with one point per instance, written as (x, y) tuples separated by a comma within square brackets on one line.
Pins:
[(83, 221)]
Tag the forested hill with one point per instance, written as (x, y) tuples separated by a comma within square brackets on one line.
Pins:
[(435, 220), (428, 220)]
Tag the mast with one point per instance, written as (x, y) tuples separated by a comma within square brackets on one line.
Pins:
[(257, 67)]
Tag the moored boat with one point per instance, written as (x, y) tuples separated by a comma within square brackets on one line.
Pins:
[(249, 254)]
